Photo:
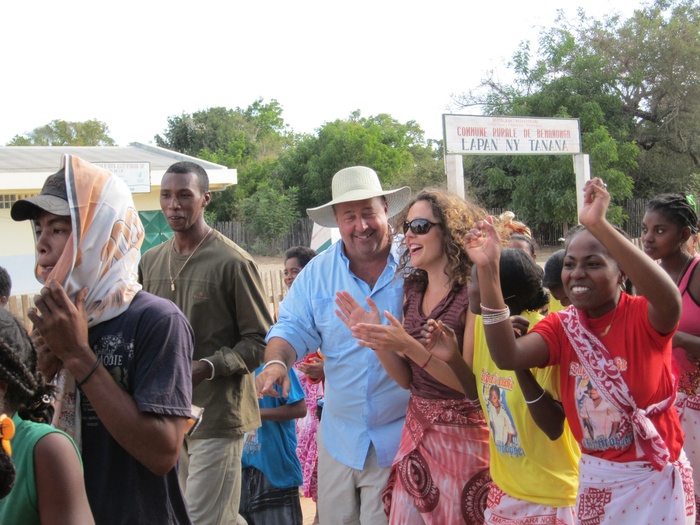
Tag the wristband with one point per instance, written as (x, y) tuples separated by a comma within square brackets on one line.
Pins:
[(89, 374), (427, 361), (213, 370), (490, 316), (275, 362)]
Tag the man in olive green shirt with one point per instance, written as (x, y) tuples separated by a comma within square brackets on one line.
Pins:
[(217, 286)]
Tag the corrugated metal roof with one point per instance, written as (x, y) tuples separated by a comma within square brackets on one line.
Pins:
[(23, 169), (20, 159)]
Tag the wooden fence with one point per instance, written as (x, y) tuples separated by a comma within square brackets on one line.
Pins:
[(18, 306), (299, 235), (547, 235), (273, 282)]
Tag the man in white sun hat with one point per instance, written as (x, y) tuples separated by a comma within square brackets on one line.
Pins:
[(364, 408)]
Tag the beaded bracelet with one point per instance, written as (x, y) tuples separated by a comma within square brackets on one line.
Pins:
[(494, 316), (275, 362), (89, 374), (492, 310), (535, 400)]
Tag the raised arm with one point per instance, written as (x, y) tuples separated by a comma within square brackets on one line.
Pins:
[(649, 279), (528, 351)]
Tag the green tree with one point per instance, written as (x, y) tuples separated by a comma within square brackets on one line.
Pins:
[(64, 133), (634, 86), (231, 135), (249, 139), (271, 211), (396, 151)]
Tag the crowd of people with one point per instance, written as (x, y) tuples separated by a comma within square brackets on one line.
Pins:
[(459, 382)]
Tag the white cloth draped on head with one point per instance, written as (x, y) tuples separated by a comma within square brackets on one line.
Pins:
[(101, 254), (105, 247)]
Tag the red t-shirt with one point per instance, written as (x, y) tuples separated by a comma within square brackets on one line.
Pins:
[(644, 358)]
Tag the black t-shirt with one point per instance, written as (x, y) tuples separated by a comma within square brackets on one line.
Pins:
[(148, 352)]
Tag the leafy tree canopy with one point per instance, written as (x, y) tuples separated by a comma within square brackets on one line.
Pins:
[(249, 139), (634, 84), (230, 135), (63, 133), (396, 151), (271, 211)]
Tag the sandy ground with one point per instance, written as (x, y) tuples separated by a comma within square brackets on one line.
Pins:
[(266, 264)]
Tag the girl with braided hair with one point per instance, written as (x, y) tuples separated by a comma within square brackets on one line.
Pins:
[(48, 482), (670, 220)]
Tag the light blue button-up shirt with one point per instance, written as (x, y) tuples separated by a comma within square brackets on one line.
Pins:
[(363, 405)]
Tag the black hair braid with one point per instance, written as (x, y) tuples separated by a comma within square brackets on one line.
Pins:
[(27, 391), (7, 473), (22, 384), (539, 300), (40, 408), (676, 207)]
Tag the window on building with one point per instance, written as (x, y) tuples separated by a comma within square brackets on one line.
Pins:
[(7, 200)]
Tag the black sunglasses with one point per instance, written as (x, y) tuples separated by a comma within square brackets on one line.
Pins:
[(418, 226)]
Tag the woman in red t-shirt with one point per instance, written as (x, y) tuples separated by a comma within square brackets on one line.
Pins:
[(608, 345)]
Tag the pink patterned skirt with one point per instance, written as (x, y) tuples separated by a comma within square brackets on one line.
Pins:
[(441, 472), (307, 449)]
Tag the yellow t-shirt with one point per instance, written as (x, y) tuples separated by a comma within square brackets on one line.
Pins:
[(555, 305), (525, 463)]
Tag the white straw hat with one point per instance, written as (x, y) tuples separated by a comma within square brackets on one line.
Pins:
[(357, 184)]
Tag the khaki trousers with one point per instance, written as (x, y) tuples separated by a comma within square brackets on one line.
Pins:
[(210, 479), (347, 496)]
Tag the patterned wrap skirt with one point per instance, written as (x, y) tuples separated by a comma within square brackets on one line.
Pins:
[(441, 472)]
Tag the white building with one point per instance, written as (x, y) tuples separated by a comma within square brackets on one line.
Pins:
[(23, 170)]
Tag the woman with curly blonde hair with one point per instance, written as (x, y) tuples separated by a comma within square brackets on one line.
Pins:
[(441, 472)]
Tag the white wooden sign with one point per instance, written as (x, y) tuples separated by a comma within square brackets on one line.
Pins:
[(493, 135), (137, 175)]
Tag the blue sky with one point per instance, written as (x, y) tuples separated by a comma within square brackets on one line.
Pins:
[(135, 64)]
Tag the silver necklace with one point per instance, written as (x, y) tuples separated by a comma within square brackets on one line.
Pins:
[(170, 275)]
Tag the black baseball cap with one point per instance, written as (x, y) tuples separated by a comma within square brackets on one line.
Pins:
[(53, 198)]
